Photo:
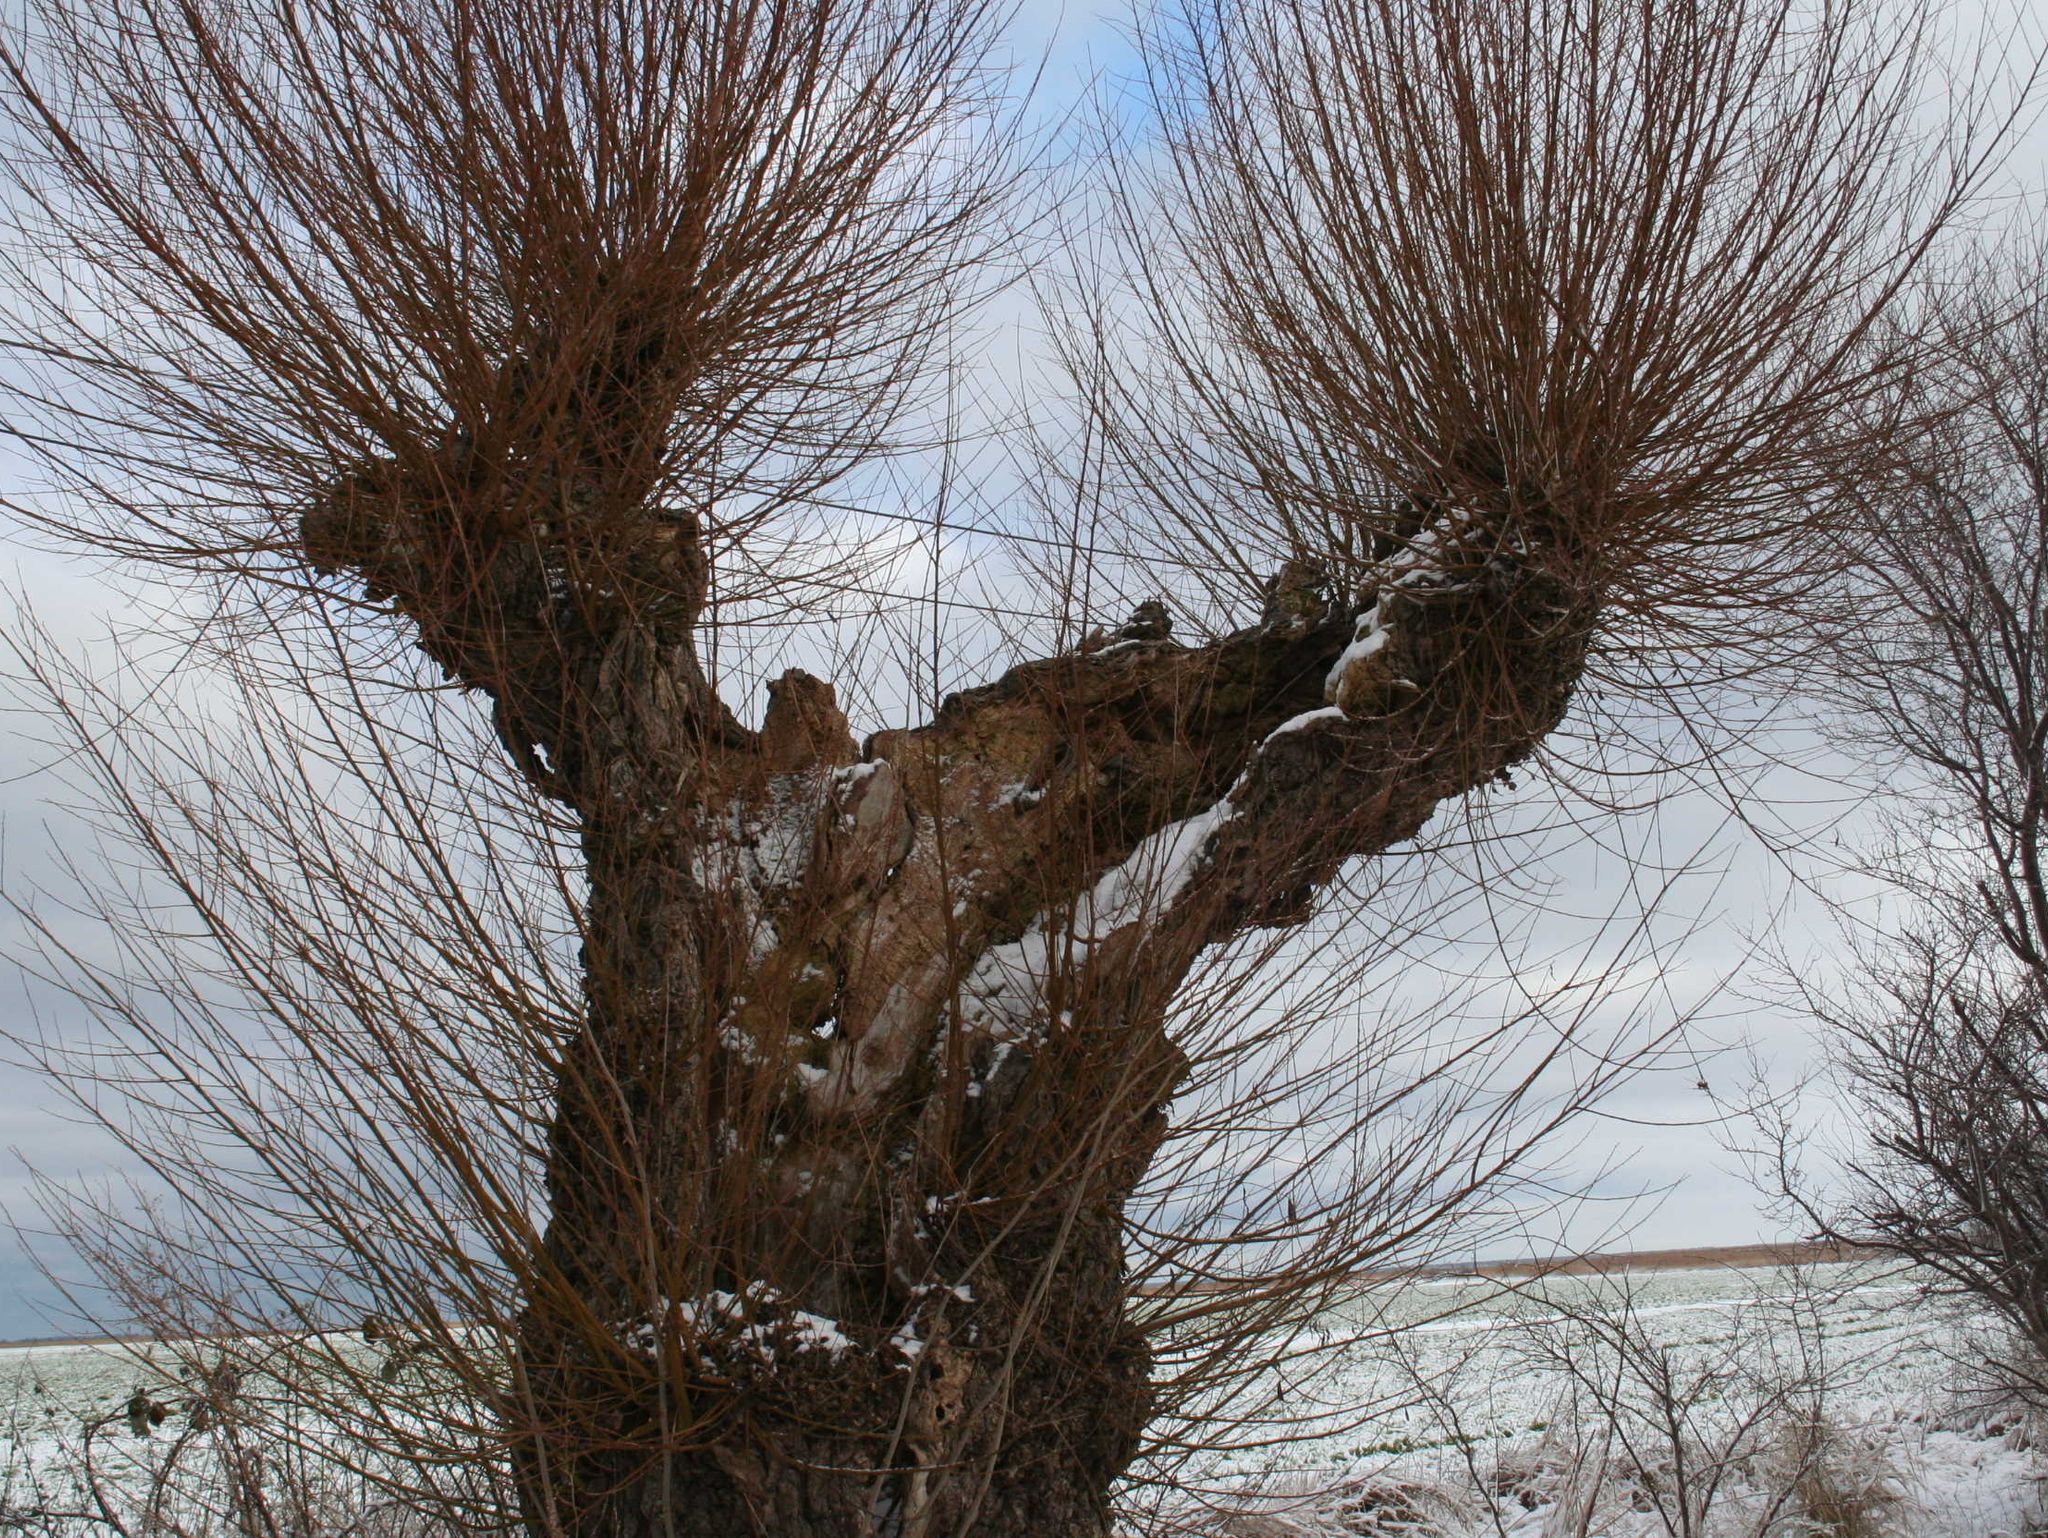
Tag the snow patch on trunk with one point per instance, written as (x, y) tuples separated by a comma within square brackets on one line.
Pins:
[(1369, 639), (757, 1321), (1004, 993)]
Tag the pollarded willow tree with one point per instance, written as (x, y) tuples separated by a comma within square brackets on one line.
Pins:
[(1465, 347)]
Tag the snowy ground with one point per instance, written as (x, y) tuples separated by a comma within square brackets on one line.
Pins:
[(1710, 1403), (1707, 1404)]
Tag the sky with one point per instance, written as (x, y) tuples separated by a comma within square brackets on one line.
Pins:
[(1657, 1168)]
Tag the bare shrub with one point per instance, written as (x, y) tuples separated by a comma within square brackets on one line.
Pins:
[(1942, 1031), (1733, 1436), (195, 1459)]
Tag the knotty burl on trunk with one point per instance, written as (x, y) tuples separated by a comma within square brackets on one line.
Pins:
[(878, 1037)]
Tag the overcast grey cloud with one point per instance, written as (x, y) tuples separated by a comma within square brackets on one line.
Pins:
[(1656, 1166)]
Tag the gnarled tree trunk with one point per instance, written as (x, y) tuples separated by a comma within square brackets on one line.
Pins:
[(878, 1043)]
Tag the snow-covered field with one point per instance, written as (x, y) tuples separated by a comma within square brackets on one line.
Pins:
[(1705, 1403), (1714, 1403)]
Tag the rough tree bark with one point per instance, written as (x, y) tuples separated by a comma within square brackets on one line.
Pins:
[(877, 1037)]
